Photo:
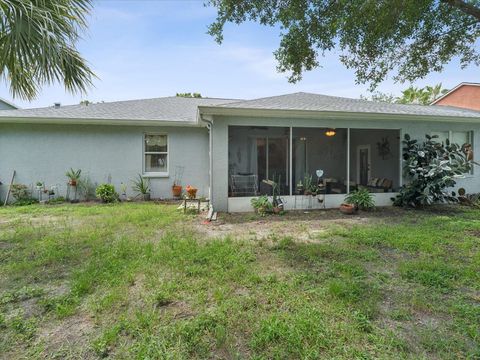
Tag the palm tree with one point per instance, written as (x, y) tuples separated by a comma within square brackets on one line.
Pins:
[(37, 45)]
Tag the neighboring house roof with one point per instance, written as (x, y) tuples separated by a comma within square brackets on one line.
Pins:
[(7, 105), (322, 103), (453, 90), (169, 109)]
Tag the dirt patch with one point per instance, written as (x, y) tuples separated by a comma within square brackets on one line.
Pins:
[(76, 330), (302, 226)]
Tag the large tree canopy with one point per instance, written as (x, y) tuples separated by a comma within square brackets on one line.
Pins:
[(37, 45), (409, 38)]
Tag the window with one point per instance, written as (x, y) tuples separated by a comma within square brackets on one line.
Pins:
[(156, 154), (456, 137), (462, 138)]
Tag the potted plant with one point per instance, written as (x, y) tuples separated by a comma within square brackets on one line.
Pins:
[(277, 202), (347, 209), (142, 186), (176, 190), (39, 185), (191, 192), (262, 205), (360, 199), (73, 176), (308, 183), (300, 188)]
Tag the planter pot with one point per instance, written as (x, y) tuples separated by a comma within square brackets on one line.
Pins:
[(146, 197), (347, 209), (176, 190), (191, 192), (72, 182), (277, 209)]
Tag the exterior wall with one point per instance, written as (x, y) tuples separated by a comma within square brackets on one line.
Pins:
[(45, 152), (466, 96), (415, 129)]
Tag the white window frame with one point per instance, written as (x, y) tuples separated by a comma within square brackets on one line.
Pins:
[(144, 153), (470, 141)]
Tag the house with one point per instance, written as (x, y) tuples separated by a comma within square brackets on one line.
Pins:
[(7, 105), (229, 149), (465, 95)]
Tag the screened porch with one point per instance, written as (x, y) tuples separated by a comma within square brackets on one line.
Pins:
[(300, 159)]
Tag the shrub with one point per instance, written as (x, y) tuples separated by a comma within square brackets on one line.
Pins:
[(107, 193), (361, 198), (141, 185), (262, 205), (431, 168), (22, 195)]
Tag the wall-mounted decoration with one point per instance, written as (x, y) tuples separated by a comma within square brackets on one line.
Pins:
[(383, 148)]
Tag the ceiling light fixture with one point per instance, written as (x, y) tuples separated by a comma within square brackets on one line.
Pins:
[(330, 132)]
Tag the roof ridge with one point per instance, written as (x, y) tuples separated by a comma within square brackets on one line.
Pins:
[(130, 100)]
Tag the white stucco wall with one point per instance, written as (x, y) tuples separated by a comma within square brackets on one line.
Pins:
[(45, 152), (417, 129)]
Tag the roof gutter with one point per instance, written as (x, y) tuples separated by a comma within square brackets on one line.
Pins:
[(338, 115), (80, 121)]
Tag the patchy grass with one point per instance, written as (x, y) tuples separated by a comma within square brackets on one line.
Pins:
[(143, 281)]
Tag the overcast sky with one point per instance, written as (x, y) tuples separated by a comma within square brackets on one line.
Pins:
[(144, 49)]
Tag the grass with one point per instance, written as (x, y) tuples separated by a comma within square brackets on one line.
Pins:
[(142, 281)]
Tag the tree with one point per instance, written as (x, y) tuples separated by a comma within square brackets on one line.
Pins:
[(37, 45), (411, 95), (189, 95), (422, 96), (374, 37), (431, 168)]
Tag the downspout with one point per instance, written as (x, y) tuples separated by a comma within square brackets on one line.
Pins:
[(210, 155)]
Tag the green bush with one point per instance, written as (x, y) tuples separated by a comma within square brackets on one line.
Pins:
[(431, 168), (22, 195), (361, 198), (262, 205), (107, 193)]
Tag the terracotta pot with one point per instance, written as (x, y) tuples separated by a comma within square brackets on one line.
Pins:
[(276, 210), (73, 182), (176, 190), (347, 209), (192, 193)]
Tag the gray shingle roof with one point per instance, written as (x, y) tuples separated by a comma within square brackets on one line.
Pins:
[(184, 110), (173, 109), (316, 102)]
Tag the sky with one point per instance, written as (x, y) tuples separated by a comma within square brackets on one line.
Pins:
[(145, 49)]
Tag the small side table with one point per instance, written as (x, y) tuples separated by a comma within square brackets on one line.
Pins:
[(194, 201)]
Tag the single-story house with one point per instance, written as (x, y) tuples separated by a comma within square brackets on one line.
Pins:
[(231, 150)]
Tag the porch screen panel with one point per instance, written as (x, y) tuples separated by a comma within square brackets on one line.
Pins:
[(375, 160), (257, 159), (319, 149)]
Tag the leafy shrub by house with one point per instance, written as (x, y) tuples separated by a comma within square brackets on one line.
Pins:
[(22, 195), (107, 193), (262, 205), (431, 168), (362, 199)]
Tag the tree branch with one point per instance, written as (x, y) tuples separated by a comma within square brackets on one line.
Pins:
[(465, 7)]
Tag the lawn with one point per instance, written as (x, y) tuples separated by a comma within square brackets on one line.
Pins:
[(145, 281)]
